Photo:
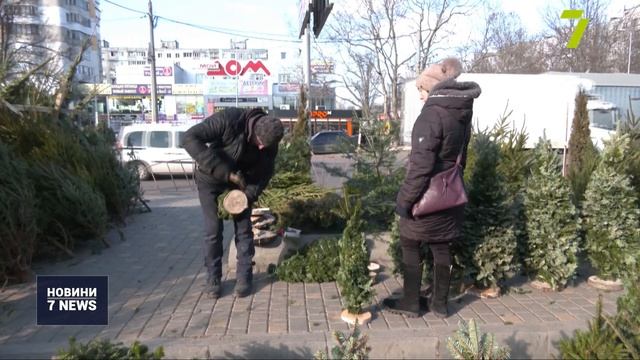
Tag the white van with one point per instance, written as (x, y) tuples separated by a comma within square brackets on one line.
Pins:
[(155, 149)]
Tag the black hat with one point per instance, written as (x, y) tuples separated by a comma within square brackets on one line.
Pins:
[(269, 129)]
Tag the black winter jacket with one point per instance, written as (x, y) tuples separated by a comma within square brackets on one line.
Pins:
[(436, 141), (221, 144)]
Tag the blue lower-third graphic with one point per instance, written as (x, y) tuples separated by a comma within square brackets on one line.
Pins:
[(73, 300)]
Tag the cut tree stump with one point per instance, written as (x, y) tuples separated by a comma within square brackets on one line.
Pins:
[(235, 202)]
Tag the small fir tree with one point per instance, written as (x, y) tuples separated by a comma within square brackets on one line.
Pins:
[(488, 249), (469, 343), (515, 166), (632, 127), (294, 153), (581, 152), (611, 214), (353, 275), (552, 221)]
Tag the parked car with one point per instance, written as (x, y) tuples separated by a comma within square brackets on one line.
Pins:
[(331, 142), (155, 149)]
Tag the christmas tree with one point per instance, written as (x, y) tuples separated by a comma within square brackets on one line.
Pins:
[(353, 276), (552, 221), (489, 244), (611, 214)]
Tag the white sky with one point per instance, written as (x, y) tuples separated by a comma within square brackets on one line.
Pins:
[(248, 18)]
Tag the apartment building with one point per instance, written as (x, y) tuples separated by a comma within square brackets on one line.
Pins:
[(58, 29)]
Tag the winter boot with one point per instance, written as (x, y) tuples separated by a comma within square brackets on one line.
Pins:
[(441, 279), (409, 304), (244, 285), (214, 287)]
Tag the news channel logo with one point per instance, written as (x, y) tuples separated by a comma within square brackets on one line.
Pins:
[(570, 14), (72, 300)]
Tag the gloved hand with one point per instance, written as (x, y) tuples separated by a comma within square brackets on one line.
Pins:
[(238, 180)]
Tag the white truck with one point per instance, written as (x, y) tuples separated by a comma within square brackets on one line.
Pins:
[(542, 104)]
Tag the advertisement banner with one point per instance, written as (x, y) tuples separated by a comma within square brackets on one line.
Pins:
[(160, 71), (288, 88), (139, 89), (220, 86), (187, 89), (254, 87)]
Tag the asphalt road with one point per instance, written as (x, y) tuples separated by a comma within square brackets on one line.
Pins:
[(323, 171)]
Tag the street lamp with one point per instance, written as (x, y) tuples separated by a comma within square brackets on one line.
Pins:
[(631, 30)]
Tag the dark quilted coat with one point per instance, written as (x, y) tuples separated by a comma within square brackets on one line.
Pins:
[(221, 144), (436, 141)]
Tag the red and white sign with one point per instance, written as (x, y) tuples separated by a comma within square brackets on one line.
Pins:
[(234, 67)]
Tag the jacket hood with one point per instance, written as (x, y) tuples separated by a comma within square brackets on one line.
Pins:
[(453, 88), (251, 117), (453, 95)]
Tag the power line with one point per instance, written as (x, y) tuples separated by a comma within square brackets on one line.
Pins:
[(240, 33), (225, 31)]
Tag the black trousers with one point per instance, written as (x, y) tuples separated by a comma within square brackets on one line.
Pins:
[(411, 255), (213, 227)]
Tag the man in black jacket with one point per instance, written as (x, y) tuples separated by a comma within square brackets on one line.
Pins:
[(233, 149)]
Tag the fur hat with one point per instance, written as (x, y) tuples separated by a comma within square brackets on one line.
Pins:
[(449, 68), (269, 129)]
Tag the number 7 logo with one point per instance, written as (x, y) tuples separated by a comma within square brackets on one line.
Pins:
[(574, 41)]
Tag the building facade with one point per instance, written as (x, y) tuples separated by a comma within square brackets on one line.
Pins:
[(59, 27), (194, 83)]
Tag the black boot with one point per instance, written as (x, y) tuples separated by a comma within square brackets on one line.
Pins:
[(213, 287), (244, 284), (409, 303), (441, 279)]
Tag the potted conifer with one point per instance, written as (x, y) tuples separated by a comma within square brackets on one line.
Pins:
[(353, 276)]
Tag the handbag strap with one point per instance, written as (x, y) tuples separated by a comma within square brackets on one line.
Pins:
[(464, 140)]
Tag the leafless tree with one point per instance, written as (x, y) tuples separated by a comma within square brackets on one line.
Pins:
[(506, 47), (594, 54), (390, 41)]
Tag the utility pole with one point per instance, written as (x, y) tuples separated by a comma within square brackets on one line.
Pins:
[(152, 60)]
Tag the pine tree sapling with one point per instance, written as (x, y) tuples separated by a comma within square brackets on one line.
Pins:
[(611, 214), (468, 343), (581, 151), (352, 347), (551, 221), (353, 276), (489, 244)]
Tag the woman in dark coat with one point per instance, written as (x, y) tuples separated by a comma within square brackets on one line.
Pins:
[(440, 132)]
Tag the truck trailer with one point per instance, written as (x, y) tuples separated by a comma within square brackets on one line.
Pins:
[(541, 104)]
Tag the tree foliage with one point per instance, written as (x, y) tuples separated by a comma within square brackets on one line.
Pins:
[(552, 221), (489, 244), (611, 214), (353, 276)]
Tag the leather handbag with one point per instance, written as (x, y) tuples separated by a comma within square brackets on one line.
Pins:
[(445, 190)]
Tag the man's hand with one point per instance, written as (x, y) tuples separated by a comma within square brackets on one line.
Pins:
[(238, 180)]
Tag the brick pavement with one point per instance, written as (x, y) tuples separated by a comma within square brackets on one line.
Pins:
[(156, 295)]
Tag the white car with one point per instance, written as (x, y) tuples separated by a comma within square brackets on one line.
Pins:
[(155, 149)]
